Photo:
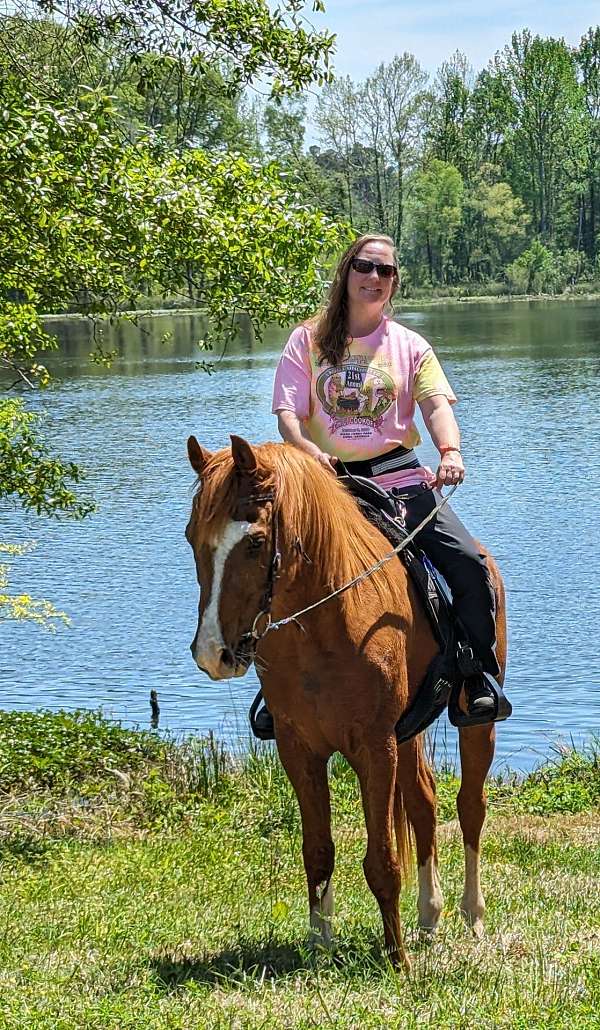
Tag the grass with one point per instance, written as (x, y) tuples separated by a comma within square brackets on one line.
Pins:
[(158, 884)]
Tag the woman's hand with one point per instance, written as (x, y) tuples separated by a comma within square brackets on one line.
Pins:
[(451, 469), (328, 460), (443, 430)]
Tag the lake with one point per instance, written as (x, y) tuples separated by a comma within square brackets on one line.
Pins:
[(527, 377)]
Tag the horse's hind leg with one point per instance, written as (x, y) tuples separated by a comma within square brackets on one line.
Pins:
[(476, 755), (415, 789), (307, 772), (383, 866)]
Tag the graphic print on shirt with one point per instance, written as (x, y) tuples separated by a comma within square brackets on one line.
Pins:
[(355, 394)]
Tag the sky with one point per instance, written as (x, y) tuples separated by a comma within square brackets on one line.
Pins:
[(371, 31)]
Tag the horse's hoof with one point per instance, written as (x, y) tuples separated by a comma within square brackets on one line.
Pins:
[(398, 959), (474, 921), (478, 929), (321, 944)]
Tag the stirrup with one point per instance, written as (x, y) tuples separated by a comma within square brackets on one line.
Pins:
[(261, 720), (502, 706)]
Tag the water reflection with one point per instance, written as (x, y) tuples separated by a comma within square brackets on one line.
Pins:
[(527, 379)]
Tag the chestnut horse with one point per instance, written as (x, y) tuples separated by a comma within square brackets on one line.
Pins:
[(342, 680)]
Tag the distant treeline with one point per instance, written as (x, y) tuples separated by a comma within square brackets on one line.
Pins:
[(481, 178), (478, 177)]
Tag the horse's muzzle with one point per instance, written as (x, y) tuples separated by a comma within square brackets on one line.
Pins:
[(221, 663)]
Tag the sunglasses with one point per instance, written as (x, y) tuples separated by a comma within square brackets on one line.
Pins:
[(365, 267)]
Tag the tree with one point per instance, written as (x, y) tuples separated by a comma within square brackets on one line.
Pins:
[(401, 102), (372, 120), (251, 37), (448, 137), (546, 121), (22, 607), (534, 270), (436, 209), (92, 216), (588, 61), (494, 223), (151, 91), (84, 216), (337, 114), (284, 127)]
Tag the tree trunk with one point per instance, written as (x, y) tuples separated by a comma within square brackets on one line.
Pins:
[(400, 206), (592, 222), (542, 196), (349, 189), (379, 194), (581, 224), (429, 258)]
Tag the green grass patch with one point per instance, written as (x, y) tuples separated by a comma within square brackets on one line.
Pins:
[(568, 783), (148, 882)]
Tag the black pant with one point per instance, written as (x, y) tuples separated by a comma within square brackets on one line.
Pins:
[(452, 550)]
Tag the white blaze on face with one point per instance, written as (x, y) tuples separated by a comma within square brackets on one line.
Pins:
[(209, 642)]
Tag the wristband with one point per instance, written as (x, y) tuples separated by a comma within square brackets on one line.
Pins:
[(446, 447)]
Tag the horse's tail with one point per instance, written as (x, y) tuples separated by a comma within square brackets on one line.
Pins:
[(402, 827)]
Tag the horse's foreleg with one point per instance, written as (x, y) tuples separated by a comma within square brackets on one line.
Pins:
[(376, 770), (415, 781), (308, 775), (476, 755)]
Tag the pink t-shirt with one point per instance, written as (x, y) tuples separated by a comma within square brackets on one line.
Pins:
[(365, 406)]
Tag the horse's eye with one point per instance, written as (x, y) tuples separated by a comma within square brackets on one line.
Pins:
[(255, 543)]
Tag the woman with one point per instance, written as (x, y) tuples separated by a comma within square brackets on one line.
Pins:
[(346, 387)]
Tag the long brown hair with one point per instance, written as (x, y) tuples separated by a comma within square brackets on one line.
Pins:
[(329, 327)]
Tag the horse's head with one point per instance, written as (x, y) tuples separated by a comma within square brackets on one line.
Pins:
[(232, 535)]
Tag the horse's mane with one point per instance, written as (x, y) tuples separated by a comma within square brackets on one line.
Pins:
[(317, 515)]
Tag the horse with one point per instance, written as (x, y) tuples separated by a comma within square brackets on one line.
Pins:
[(273, 532)]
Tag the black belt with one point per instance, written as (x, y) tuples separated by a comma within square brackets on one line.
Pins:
[(392, 461)]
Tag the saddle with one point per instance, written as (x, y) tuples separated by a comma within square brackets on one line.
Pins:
[(455, 662)]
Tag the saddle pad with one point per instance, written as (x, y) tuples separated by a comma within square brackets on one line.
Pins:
[(430, 591)]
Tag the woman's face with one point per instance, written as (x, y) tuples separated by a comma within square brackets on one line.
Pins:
[(368, 289)]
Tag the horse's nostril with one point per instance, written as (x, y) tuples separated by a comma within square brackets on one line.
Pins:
[(228, 657)]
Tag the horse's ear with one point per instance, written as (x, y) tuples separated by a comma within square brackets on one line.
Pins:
[(244, 457), (198, 455)]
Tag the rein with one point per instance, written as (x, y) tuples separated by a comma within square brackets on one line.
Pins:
[(256, 635)]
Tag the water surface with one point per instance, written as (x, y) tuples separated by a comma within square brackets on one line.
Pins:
[(527, 376)]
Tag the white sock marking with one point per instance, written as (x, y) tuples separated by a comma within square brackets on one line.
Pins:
[(431, 901), (472, 904), (321, 915)]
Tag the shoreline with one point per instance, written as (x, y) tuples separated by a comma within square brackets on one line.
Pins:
[(26, 734), (521, 298), (401, 305)]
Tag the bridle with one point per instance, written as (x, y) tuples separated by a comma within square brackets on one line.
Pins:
[(257, 632)]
